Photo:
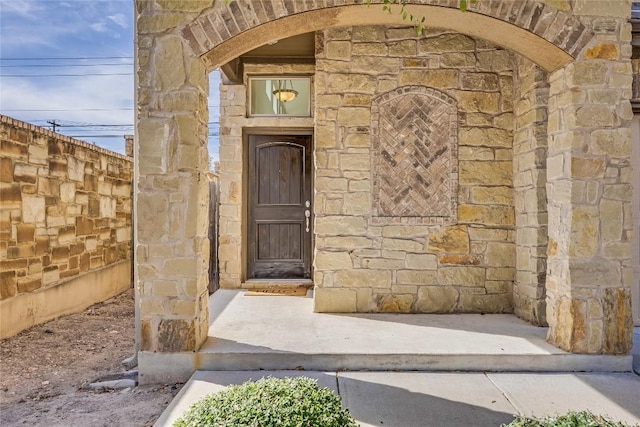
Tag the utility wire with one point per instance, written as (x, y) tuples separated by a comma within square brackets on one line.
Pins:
[(66, 75), (67, 58), (66, 65), (80, 109)]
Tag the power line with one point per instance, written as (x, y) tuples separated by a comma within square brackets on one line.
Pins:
[(66, 75), (111, 64), (67, 58), (79, 109)]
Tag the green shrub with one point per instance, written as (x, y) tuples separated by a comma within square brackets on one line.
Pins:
[(571, 419), (287, 402)]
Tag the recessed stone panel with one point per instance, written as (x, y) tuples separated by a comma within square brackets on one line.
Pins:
[(414, 156)]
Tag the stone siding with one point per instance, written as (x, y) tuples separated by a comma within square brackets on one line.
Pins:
[(531, 95), (589, 175), (65, 208), (420, 259)]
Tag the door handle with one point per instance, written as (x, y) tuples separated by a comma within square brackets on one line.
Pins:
[(307, 214)]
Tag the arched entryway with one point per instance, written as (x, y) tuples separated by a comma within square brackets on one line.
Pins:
[(564, 129)]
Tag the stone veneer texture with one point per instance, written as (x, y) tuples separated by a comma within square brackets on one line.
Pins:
[(393, 235), (66, 207)]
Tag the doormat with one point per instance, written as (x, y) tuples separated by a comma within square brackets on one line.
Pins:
[(290, 292)]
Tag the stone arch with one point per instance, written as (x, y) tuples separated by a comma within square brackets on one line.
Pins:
[(548, 36), (587, 108)]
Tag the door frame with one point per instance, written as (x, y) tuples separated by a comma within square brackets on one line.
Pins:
[(284, 131)]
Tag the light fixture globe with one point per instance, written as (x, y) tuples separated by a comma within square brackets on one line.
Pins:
[(285, 95)]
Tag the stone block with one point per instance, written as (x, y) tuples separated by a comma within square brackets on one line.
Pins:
[(25, 233), (370, 49), (486, 173), (493, 303), (352, 83), (338, 50), (484, 102), (500, 254), (394, 303), (13, 149), (338, 242), (611, 220), (421, 262), (33, 209), (437, 299), (28, 284), (6, 169), (174, 335), (451, 239), (416, 277), (332, 261), (84, 226), (340, 226), (595, 116), (446, 43), (594, 273), (461, 276), (382, 264), (615, 143), (479, 81), (358, 203), (401, 231), (486, 215), (492, 195), (50, 275), (25, 173), (11, 196), (444, 78), (457, 259), (402, 245), (360, 278), (614, 8), (584, 232), (349, 161), (485, 137), (331, 300), (403, 48)]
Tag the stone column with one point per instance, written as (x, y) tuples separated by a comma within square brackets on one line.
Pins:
[(529, 178), (171, 247), (589, 270)]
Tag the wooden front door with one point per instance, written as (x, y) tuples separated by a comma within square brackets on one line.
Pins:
[(279, 201)]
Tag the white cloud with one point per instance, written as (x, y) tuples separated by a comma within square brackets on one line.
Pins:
[(99, 27), (119, 19), (24, 8)]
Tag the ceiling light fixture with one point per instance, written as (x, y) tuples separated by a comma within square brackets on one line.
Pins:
[(283, 94)]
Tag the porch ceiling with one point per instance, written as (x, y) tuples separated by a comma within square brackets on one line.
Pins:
[(296, 49)]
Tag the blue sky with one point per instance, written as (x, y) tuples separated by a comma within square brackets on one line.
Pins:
[(72, 61)]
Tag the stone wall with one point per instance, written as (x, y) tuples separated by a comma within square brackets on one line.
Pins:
[(449, 246), (589, 175), (65, 212), (530, 176)]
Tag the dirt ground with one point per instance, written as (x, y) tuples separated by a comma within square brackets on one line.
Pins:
[(43, 370)]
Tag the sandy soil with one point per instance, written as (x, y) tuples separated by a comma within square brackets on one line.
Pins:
[(43, 370)]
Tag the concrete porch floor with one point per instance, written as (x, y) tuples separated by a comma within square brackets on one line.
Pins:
[(282, 332), (249, 333)]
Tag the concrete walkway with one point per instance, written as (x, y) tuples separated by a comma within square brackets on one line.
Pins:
[(443, 399), (378, 363), (280, 332)]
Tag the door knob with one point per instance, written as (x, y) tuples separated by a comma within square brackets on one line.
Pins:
[(307, 214)]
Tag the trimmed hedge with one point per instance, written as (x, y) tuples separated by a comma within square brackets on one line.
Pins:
[(286, 402), (570, 419)]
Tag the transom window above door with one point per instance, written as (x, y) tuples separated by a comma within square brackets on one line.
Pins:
[(280, 96)]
